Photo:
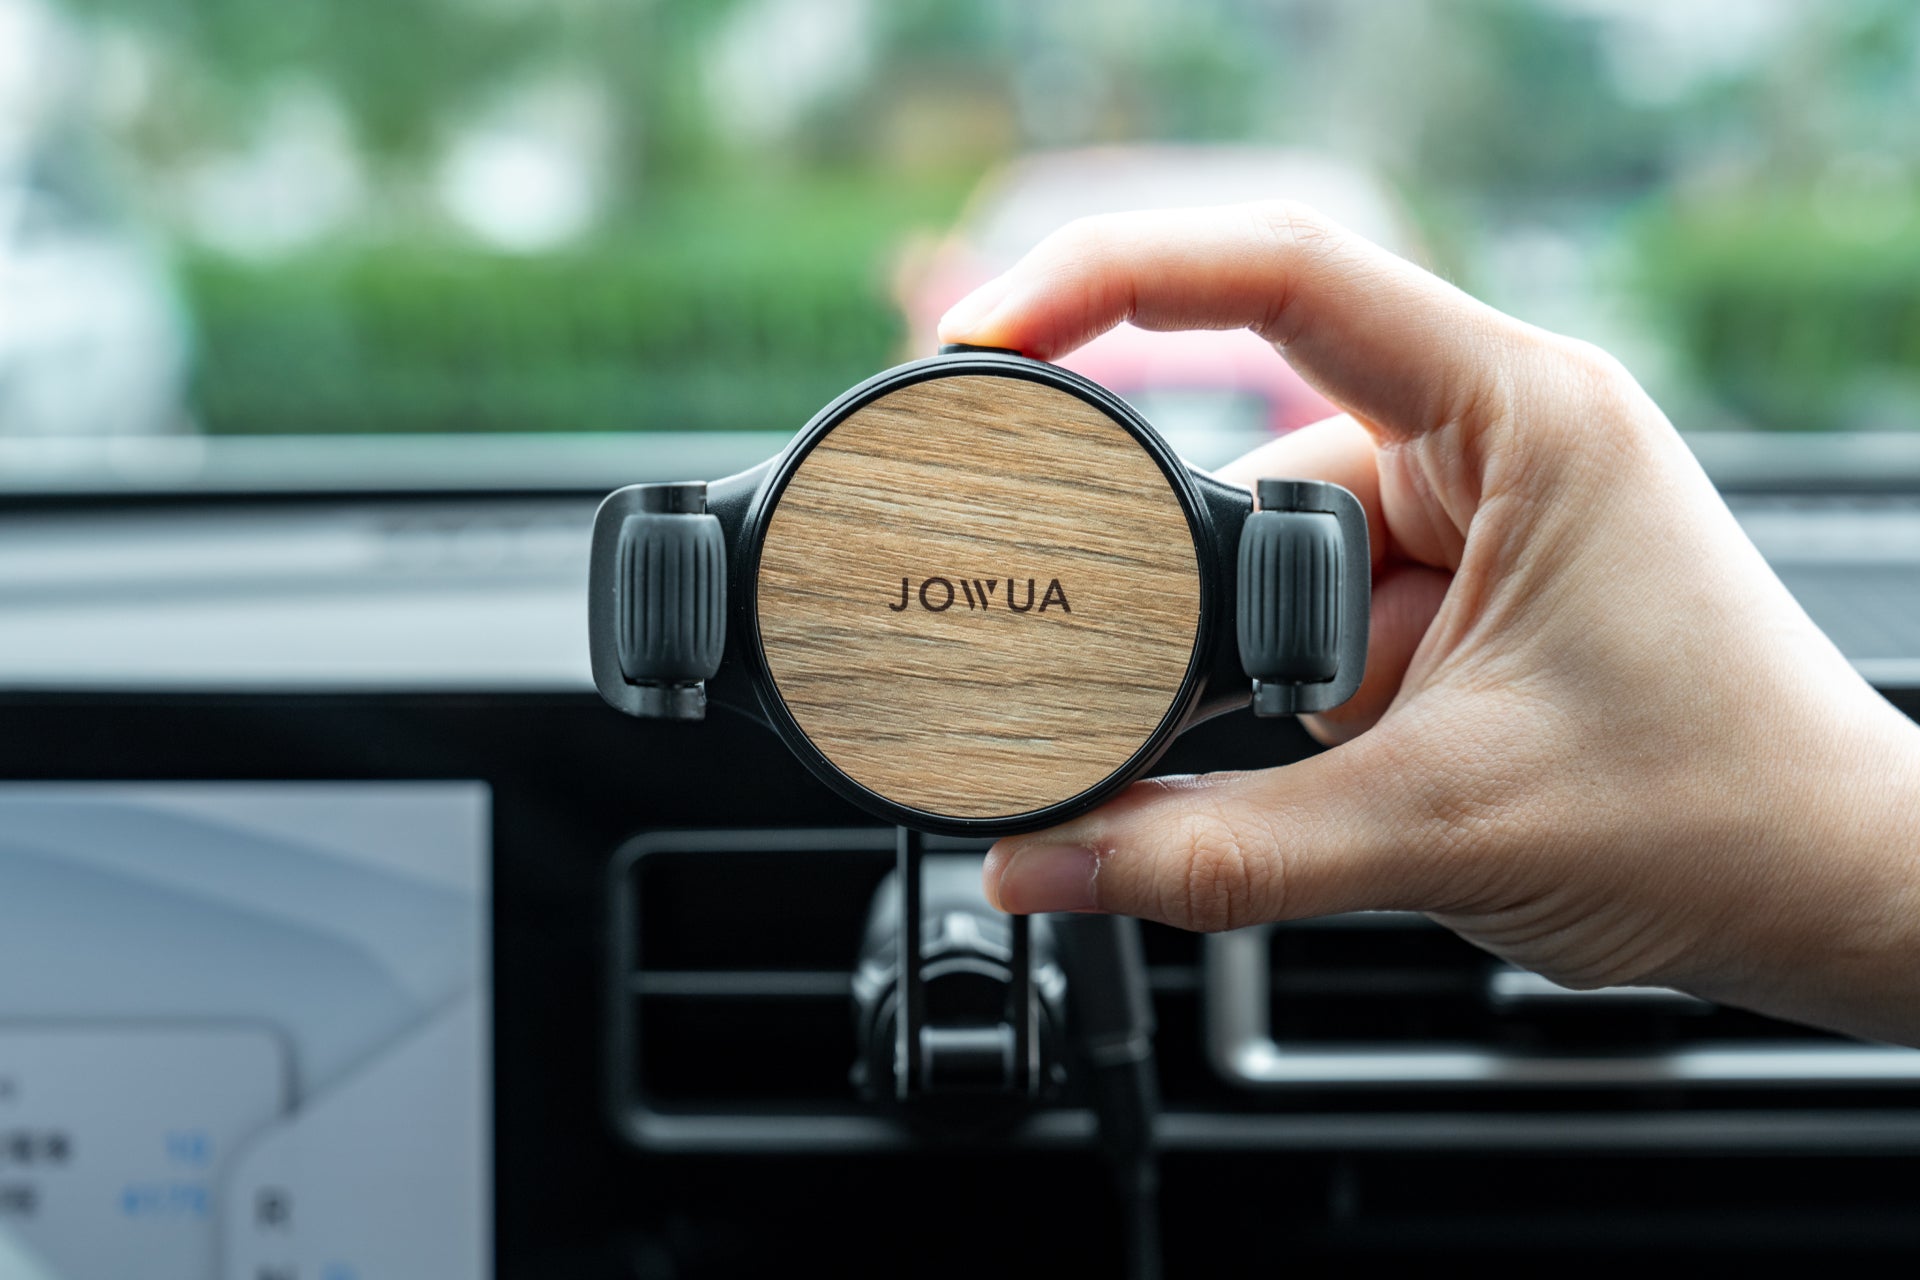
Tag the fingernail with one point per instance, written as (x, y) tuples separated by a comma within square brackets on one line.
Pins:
[(964, 319), (1047, 877)]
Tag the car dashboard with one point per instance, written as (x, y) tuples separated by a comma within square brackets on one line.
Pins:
[(410, 957)]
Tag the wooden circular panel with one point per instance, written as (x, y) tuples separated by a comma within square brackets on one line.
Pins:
[(944, 694)]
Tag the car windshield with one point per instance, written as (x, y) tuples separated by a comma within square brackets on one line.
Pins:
[(464, 236)]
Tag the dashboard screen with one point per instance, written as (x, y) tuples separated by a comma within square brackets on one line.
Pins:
[(244, 1031)]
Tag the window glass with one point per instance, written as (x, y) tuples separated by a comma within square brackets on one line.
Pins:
[(324, 217)]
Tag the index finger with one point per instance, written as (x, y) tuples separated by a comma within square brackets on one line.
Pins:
[(1377, 335)]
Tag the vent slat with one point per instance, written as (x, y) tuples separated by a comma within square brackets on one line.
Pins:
[(1293, 1007), (706, 984), (731, 1030)]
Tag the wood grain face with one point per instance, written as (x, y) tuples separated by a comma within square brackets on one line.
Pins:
[(979, 596)]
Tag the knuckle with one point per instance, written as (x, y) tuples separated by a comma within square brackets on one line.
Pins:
[(1583, 400), (1289, 227), (1461, 823), (1597, 371), (1601, 390), (1093, 237), (1292, 224), (1223, 876)]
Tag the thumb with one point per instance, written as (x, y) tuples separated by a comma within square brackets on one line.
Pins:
[(1224, 850)]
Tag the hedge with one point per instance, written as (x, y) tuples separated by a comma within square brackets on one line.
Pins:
[(717, 302), (1785, 318), (614, 337)]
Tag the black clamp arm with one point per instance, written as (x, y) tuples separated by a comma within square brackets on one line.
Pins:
[(658, 612), (1305, 581)]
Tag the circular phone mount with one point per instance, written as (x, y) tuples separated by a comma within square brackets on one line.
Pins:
[(978, 595)]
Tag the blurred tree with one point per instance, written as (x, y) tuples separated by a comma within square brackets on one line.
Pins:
[(406, 71), (764, 249)]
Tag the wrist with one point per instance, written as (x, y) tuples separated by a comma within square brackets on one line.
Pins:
[(1835, 941)]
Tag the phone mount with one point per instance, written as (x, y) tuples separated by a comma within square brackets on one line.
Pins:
[(978, 595), (960, 1019)]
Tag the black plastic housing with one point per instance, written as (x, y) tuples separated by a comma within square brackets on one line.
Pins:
[(1216, 679), (657, 614), (1305, 574)]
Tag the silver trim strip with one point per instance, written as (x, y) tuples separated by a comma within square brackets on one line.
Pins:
[(1767, 1133), (1241, 1046), (1508, 987), (1889, 673), (1736, 460)]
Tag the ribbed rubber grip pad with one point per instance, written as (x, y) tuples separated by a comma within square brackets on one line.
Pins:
[(672, 582), (1289, 610)]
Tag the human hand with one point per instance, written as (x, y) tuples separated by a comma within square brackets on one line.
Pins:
[(1596, 735)]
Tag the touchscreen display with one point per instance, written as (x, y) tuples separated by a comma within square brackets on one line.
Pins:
[(243, 1031)]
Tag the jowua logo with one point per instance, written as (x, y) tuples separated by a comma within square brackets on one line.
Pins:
[(937, 595)]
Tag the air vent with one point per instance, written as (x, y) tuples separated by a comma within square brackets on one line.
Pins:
[(1389, 1001), (730, 1030), (733, 955), (730, 1023)]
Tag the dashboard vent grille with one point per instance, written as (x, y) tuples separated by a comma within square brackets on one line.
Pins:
[(730, 1029), (1389, 1001), (732, 960), (730, 1016)]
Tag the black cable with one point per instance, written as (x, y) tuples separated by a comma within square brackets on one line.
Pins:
[(1111, 1024), (1141, 1201)]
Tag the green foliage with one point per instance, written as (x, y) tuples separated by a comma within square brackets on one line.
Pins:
[(1518, 106), (1791, 322), (1201, 87), (738, 285), (405, 69), (745, 308)]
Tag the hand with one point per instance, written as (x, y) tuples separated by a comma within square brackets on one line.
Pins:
[(1596, 735)]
